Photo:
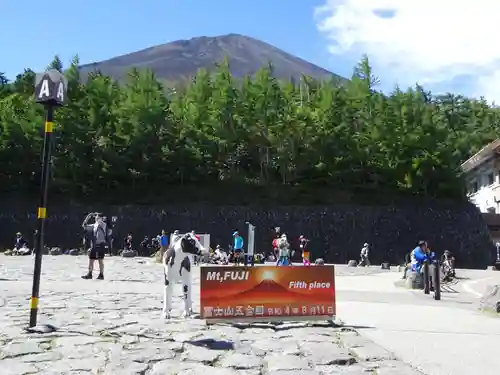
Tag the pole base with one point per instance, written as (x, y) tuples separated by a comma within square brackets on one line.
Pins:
[(42, 328)]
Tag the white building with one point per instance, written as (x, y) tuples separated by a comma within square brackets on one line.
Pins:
[(481, 172)]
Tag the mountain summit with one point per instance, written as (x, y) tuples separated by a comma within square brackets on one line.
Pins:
[(182, 59)]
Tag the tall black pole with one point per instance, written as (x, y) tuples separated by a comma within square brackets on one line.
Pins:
[(50, 91), (42, 214)]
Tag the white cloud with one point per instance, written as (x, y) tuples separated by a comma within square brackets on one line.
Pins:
[(429, 41)]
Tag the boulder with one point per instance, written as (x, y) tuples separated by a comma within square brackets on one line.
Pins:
[(74, 252), (8, 252), (490, 301), (414, 280), (24, 251), (385, 266), (319, 262), (129, 253), (45, 250), (55, 251), (352, 263)]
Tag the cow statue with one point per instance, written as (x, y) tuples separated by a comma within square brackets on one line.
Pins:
[(177, 264)]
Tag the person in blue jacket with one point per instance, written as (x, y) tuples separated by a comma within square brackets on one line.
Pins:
[(238, 247), (419, 255)]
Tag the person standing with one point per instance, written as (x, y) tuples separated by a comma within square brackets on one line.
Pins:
[(98, 248), (237, 247), (364, 260), (304, 248), (163, 243)]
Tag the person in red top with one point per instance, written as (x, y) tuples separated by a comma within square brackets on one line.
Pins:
[(275, 246)]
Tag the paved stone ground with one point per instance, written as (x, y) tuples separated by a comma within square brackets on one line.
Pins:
[(115, 327)]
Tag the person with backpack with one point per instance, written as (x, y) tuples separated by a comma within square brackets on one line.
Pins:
[(98, 246)]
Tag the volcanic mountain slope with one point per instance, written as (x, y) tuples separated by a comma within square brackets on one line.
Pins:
[(181, 59), (270, 291)]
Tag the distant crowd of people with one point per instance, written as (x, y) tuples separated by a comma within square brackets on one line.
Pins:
[(99, 236)]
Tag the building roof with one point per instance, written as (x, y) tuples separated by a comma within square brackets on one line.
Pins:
[(481, 156)]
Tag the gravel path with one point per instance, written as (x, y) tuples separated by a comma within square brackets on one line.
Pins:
[(115, 327)]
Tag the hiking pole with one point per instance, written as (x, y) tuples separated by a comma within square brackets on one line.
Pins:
[(50, 91), (426, 277), (437, 281)]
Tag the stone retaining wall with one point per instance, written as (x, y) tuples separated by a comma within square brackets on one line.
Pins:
[(337, 232)]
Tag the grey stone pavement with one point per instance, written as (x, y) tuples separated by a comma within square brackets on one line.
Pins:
[(115, 327)]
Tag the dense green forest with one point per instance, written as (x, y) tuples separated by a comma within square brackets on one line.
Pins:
[(258, 132)]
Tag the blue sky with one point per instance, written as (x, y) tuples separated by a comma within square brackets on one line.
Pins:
[(330, 33)]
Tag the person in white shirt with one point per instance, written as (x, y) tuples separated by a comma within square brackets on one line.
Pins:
[(220, 255), (364, 261), (99, 242)]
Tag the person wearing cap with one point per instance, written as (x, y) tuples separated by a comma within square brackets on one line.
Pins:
[(237, 246), (364, 261), (20, 241), (419, 255), (21, 245)]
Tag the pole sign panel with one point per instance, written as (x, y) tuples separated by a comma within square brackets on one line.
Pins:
[(268, 293)]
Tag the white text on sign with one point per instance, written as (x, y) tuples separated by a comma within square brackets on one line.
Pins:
[(310, 286), (228, 276)]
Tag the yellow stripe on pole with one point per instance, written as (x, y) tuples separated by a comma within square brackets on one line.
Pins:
[(34, 303), (42, 213), (48, 126)]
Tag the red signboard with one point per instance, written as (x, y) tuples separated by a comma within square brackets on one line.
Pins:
[(267, 293)]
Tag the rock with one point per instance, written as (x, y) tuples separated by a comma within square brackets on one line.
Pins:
[(280, 362), (8, 252), (385, 266), (490, 301), (17, 349), (200, 354), (74, 252), (319, 261), (55, 251), (241, 361), (129, 253), (414, 280), (45, 250), (352, 263)]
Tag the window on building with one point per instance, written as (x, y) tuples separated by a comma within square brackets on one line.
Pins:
[(473, 187), (491, 178)]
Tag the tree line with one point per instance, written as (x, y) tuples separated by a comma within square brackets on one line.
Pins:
[(143, 135)]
